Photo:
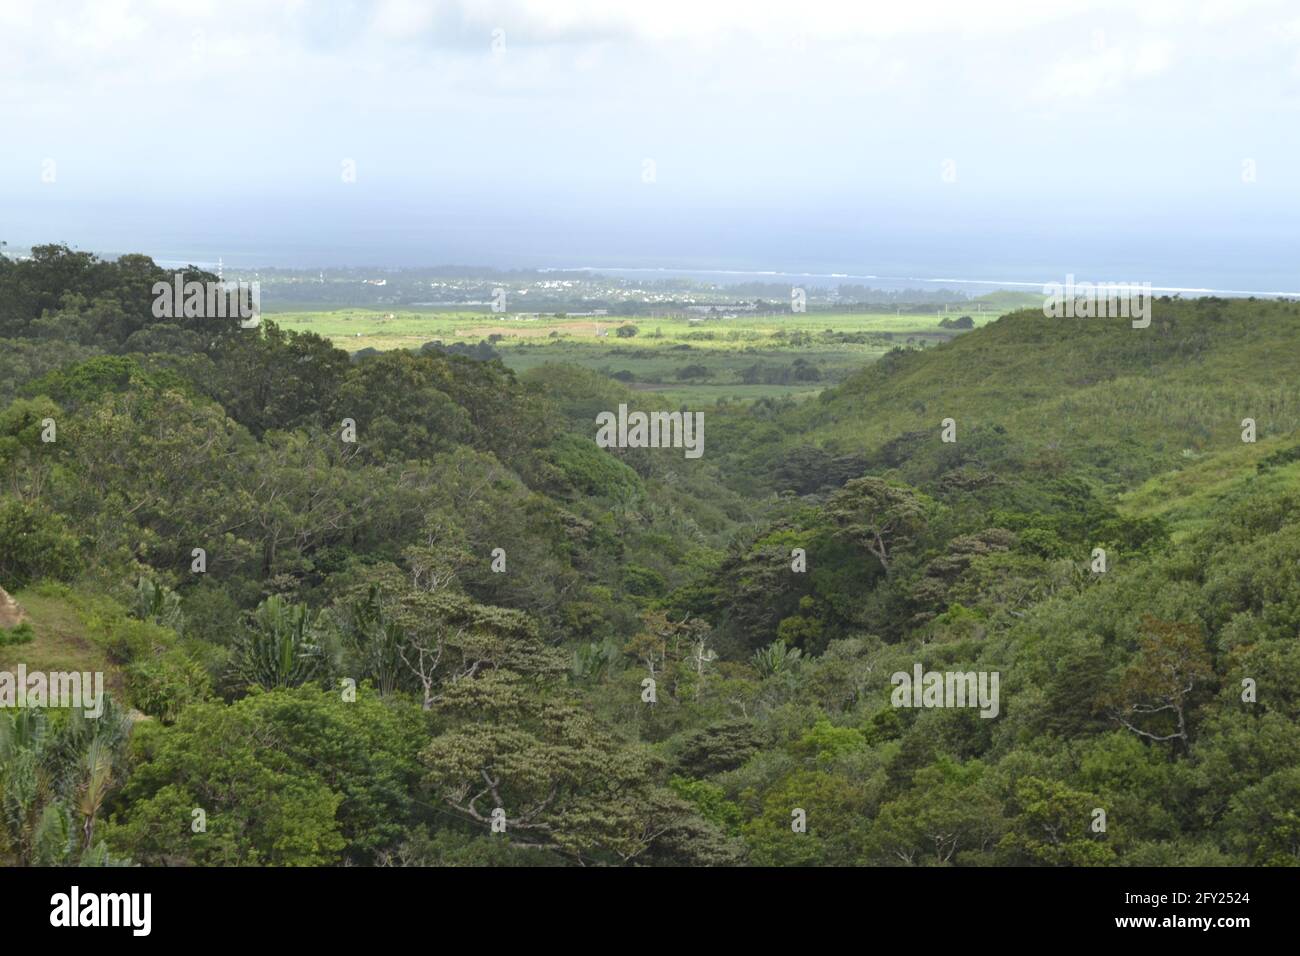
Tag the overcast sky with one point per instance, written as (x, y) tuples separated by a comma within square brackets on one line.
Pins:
[(773, 134)]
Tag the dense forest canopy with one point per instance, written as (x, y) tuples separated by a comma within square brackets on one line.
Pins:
[(401, 609)]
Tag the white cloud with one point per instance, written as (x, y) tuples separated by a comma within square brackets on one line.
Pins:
[(733, 95), (1152, 58)]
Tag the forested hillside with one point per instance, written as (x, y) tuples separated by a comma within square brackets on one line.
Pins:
[(401, 609)]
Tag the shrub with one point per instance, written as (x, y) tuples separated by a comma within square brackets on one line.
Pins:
[(20, 634), (34, 543)]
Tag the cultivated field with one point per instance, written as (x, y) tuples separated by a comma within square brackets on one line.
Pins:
[(741, 357)]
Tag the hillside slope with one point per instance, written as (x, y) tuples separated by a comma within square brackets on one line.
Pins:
[(1088, 397)]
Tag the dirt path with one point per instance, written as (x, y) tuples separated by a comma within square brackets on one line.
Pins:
[(11, 615)]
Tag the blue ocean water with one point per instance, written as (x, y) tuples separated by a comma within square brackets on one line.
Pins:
[(971, 254)]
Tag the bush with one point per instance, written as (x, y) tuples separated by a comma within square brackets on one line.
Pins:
[(157, 604), (590, 471), (34, 543), (643, 582), (164, 685), (124, 639), (20, 634)]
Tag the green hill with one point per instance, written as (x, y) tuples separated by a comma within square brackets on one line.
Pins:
[(1087, 397), (350, 590)]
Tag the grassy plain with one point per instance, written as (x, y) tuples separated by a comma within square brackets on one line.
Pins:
[(741, 357)]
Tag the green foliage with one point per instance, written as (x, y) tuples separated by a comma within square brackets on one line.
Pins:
[(285, 778), (35, 543), (163, 685), (588, 470), (541, 763), (948, 817), (593, 661), (711, 802), (1264, 820), (826, 743), (836, 819), (1052, 826), (20, 633), (279, 647), (91, 381), (777, 658), (158, 604), (56, 771), (521, 691), (22, 360)]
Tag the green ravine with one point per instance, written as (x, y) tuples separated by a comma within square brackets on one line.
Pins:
[(354, 652)]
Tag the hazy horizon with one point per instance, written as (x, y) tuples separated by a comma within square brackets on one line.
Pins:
[(1117, 142)]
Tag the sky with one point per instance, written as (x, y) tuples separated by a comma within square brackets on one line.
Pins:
[(1018, 140)]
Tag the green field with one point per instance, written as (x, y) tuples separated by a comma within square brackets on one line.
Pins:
[(690, 360)]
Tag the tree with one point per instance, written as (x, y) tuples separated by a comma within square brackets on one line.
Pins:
[(836, 818), (424, 641), (296, 777), (529, 757), (301, 495), (272, 379), (159, 604), (401, 407), (878, 515), (1172, 662), (673, 652), (34, 544), (1264, 820), (55, 774), (945, 812), (1051, 825)]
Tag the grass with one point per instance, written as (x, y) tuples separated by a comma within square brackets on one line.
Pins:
[(62, 639), (1186, 498), (829, 346), (1091, 396), (354, 329)]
